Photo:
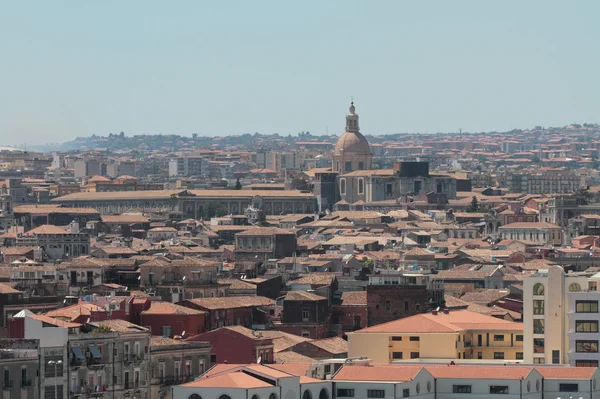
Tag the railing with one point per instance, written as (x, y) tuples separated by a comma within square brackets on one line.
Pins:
[(26, 383), (7, 384)]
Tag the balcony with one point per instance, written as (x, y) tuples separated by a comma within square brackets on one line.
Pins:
[(25, 383), (463, 345), (7, 385)]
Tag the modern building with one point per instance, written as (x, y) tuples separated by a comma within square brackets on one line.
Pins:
[(447, 335), (560, 318)]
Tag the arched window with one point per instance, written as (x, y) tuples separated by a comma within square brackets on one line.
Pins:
[(272, 396), (224, 397), (323, 394), (195, 396), (255, 397), (538, 289), (307, 395), (574, 287)]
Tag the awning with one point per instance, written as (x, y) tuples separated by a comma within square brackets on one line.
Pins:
[(78, 353), (95, 352)]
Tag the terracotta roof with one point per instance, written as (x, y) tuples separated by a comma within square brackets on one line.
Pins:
[(530, 225), (156, 341), (334, 345), (237, 379), (282, 340), (303, 296), (291, 357), (377, 372), (47, 229), (121, 326), (7, 289), (567, 373), (46, 209), (322, 279), (53, 321), (74, 311), (454, 321), (126, 218), (480, 372), (262, 231), (167, 308), (354, 298), (232, 302), (484, 296)]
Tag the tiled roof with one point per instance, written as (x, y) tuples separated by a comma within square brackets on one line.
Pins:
[(480, 372), (288, 357), (235, 379), (121, 326), (46, 209), (354, 298), (313, 278), (282, 340), (377, 372), (156, 340), (334, 345), (264, 231), (167, 308), (126, 218), (232, 302), (303, 296), (47, 229), (484, 296), (454, 321), (566, 373), (7, 289), (530, 225), (74, 311)]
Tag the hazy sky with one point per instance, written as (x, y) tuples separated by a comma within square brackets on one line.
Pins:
[(72, 68)]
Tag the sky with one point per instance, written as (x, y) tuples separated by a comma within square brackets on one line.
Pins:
[(77, 68)]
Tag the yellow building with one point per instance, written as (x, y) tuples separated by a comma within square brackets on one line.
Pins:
[(449, 335)]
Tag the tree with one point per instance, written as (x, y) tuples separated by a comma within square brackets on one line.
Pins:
[(214, 210), (474, 205), (238, 185), (195, 135)]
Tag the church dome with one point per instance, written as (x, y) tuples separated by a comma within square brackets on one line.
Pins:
[(352, 143)]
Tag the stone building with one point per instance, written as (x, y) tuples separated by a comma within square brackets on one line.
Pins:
[(352, 151), (192, 203), (174, 362), (56, 242)]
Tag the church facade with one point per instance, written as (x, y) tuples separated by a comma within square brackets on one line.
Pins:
[(357, 182)]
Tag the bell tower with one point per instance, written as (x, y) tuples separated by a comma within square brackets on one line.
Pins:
[(352, 119)]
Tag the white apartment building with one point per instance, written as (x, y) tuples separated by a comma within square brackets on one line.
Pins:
[(560, 318)]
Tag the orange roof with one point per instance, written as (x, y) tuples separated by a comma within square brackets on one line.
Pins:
[(47, 229), (55, 322), (567, 373), (480, 372), (236, 379), (379, 372), (162, 308), (454, 321), (74, 311)]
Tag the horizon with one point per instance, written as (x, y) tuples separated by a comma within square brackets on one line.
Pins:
[(78, 69)]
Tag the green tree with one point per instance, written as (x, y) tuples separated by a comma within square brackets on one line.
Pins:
[(214, 210), (238, 185), (474, 206)]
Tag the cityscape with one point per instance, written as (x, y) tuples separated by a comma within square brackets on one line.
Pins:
[(336, 200)]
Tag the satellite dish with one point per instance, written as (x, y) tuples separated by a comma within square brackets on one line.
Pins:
[(139, 277), (183, 278), (259, 360), (438, 309), (183, 333)]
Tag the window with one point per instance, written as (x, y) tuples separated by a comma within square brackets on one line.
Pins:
[(396, 338), (405, 392), (166, 331), (361, 165), (305, 333), (555, 357), (397, 355), (586, 346), (568, 387), (327, 369), (519, 338), (388, 305), (538, 326), (539, 360), (406, 305), (461, 389), (499, 337), (375, 393), (519, 356), (574, 287), (586, 306), (323, 394), (305, 314), (414, 355), (196, 396), (345, 393), (498, 355), (388, 189), (499, 389), (307, 395), (587, 326), (361, 186), (414, 339), (586, 363), (343, 186), (538, 306)]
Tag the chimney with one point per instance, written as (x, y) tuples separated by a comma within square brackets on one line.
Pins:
[(446, 311), (434, 312)]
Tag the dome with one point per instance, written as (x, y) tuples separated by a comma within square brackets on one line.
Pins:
[(352, 143)]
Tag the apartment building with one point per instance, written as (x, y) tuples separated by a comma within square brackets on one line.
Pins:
[(540, 233), (549, 181), (188, 166), (440, 335), (558, 314)]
